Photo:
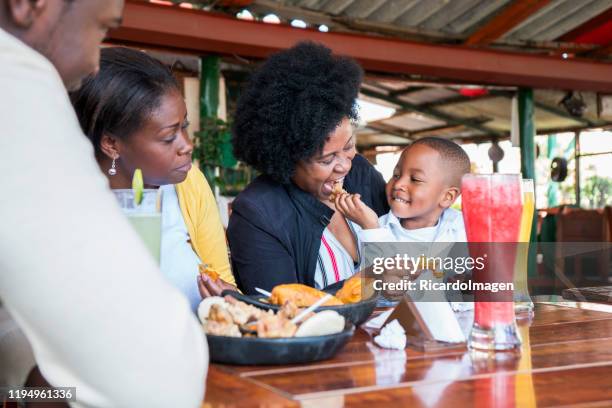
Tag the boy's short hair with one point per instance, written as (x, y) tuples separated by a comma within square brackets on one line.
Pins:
[(456, 160)]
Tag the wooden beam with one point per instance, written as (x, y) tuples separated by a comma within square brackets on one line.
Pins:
[(515, 13), (199, 32), (407, 90), (604, 51)]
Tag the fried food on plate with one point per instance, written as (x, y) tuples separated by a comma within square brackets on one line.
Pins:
[(301, 295), (351, 290), (275, 325), (231, 317)]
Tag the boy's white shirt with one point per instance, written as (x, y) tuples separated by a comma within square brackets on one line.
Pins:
[(73, 274), (450, 228)]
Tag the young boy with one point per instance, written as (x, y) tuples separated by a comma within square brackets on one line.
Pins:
[(426, 182)]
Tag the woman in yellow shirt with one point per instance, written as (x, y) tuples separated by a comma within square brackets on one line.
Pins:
[(135, 116)]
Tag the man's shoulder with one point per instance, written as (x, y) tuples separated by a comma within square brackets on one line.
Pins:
[(18, 60)]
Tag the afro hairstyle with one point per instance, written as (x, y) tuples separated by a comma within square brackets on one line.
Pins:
[(291, 105)]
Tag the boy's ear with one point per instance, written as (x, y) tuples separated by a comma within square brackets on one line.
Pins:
[(449, 196)]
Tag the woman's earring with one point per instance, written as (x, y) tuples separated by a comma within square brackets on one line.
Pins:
[(112, 171)]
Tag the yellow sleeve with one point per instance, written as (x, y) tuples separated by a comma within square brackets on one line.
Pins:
[(199, 209)]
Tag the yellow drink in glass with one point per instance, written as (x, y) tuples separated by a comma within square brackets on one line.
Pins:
[(144, 217), (522, 302), (148, 227)]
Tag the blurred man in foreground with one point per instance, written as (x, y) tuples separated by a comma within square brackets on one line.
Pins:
[(73, 274)]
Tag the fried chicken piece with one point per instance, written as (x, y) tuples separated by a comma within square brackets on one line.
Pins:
[(241, 312), (289, 310), (275, 326), (220, 314), (221, 329), (351, 290), (301, 295), (336, 191)]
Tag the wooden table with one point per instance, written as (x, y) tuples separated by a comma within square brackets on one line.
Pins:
[(566, 359)]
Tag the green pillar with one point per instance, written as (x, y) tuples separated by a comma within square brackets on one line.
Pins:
[(527, 143), (215, 137), (209, 87), (209, 104), (527, 132)]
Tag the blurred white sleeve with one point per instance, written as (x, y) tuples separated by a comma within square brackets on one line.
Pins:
[(74, 275), (16, 356)]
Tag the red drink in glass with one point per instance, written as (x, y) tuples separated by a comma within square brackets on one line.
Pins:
[(492, 209)]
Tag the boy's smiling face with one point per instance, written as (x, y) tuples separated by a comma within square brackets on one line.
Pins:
[(419, 190)]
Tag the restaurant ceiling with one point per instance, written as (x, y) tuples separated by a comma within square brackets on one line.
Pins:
[(571, 42)]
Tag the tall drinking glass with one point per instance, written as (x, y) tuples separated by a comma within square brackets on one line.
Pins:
[(492, 208), (144, 217), (523, 306)]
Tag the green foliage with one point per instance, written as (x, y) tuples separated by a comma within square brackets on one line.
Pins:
[(596, 191), (213, 143), (213, 150)]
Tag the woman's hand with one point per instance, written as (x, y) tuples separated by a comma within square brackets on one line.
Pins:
[(351, 206), (209, 287)]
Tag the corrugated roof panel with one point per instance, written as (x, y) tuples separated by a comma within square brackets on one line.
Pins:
[(420, 13), (335, 7), (491, 107), (544, 18), (308, 3), (361, 9), (449, 13), (475, 17), (581, 16), (392, 9), (546, 120), (459, 17), (412, 121), (380, 139)]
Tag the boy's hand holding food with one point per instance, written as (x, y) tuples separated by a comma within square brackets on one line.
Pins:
[(351, 206)]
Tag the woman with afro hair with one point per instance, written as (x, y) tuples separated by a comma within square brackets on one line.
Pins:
[(294, 124)]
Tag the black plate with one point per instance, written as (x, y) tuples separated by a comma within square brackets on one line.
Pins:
[(291, 350), (356, 313)]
